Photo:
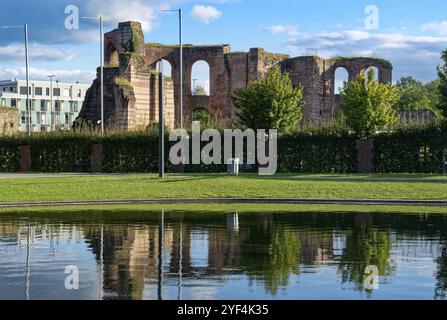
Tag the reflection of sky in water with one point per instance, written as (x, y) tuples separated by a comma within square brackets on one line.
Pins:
[(279, 256)]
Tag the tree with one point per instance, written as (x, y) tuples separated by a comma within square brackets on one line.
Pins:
[(415, 95), (442, 72), (199, 91), (367, 105), (201, 115), (270, 103)]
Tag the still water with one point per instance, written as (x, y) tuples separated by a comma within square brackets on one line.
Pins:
[(177, 255)]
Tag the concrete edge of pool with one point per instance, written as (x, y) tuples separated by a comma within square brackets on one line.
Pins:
[(361, 202)]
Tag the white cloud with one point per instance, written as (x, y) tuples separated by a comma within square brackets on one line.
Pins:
[(414, 55), (205, 14), (39, 52), (116, 11), (41, 74), (439, 27), (290, 30)]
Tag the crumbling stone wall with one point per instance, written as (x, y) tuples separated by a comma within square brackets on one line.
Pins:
[(131, 86), (9, 121), (317, 76)]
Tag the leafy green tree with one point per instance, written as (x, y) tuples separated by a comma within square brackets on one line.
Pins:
[(415, 95), (442, 72), (203, 116), (367, 105), (199, 91), (270, 103)]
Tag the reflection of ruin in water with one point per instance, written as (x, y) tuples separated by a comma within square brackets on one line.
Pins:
[(267, 248)]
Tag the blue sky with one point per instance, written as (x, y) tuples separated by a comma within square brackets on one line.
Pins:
[(410, 33)]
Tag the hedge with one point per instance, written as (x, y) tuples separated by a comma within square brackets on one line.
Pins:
[(411, 150)]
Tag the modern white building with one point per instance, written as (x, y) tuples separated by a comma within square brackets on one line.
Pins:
[(51, 110)]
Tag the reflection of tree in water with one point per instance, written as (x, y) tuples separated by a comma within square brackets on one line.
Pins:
[(441, 276), (365, 247), (270, 253)]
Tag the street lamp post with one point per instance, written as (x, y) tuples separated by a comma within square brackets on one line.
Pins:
[(57, 105), (161, 123), (51, 100), (101, 55), (194, 81), (28, 105), (180, 17)]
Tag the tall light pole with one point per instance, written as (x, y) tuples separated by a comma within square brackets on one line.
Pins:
[(51, 100), (56, 104), (180, 17), (194, 81), (28, 105), (101, 57), (161, 123)]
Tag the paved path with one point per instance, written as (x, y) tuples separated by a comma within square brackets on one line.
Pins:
[(442, 203), (50, 175), (438, 179)]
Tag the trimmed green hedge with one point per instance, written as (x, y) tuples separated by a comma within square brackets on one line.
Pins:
[(318, 151), (410, 150), (327, 150)]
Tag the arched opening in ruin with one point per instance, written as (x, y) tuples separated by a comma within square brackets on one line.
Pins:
[(114, 58), (202, 115), (200, 78), (166, 67), (340, 78), (375, 70)]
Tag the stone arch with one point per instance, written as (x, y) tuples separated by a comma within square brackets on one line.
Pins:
[(168, 67), (201, 76), (367, 68), (202, 114), (341, 75), (330, 79), (358, 66), (111, 54), (188, 77)]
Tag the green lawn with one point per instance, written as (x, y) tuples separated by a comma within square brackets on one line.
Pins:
[(211, 186)]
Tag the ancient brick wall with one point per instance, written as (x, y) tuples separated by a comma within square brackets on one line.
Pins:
[(9, 121), (317, 76), (132, 101)]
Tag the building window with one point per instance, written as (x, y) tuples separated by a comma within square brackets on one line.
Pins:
[(38, 91), (42, 118), (13, 103), (56, 92), (23, 117), (22, 90), (33, 105), (57, 106), (79, 93), (47, 91), (43, 105), (76, 108)]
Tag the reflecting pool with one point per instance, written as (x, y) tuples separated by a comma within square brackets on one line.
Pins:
[(175, 255)]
